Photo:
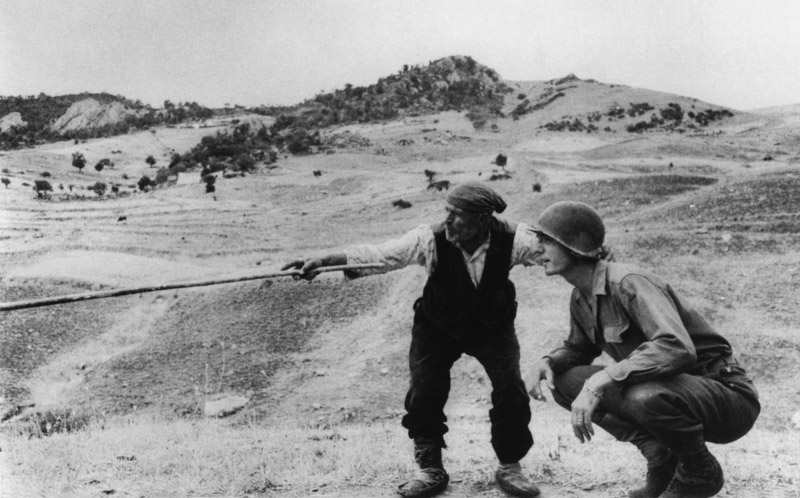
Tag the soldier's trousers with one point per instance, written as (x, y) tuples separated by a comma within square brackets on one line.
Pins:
[(680, 412)]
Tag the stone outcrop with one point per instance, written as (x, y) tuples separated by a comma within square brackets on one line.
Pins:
[(10, 120), (89, 114)]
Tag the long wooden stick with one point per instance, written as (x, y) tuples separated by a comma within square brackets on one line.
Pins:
[(72, 298)]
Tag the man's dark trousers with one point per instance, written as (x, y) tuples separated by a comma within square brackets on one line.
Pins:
[(682, 412), (433, 352)]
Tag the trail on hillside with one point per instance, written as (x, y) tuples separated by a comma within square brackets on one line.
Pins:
[(62, 381)]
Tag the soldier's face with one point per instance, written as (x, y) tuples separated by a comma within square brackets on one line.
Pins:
[(461, 226), (555, 258)]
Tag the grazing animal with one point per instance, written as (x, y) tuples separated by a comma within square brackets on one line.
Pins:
[(440, 185)]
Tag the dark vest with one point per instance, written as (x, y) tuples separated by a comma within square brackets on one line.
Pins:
[(451, 299)]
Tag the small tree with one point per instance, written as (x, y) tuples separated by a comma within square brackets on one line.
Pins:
[(42, 187), (5, 181), (430, 174), (99, 188), (151, 161), (78, 161), (210, 180)]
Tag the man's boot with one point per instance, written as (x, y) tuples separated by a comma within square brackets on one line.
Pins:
[(661, 464), (699, 475), (511, 480), (431, 478)]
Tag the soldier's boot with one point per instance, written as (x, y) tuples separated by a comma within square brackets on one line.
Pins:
[(514, 482), (699, 475), (431, 478), (661, 464)]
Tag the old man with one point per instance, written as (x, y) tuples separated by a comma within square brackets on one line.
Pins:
[(468, 306)]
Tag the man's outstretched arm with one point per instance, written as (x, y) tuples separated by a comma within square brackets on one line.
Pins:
[(307, 266)]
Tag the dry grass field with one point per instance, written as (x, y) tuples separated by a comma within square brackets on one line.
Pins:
[(106, 397)]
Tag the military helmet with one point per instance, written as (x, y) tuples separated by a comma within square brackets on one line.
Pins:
[(575, 225)]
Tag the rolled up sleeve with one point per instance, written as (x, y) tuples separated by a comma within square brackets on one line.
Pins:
[(525, 248), (416, 247)]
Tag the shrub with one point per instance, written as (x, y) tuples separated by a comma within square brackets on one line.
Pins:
[(99, 188), (521, 109), (244, 163), (42, 187), (479, 116), (162, 175), (504, 175), (672, 112), (102, 163), (400, 203), (639, 109), (61, 421), (145, 183)]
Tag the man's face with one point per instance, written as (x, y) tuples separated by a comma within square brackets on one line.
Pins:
[(555, 258), (462, 226)]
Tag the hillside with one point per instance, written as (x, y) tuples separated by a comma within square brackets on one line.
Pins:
[(34, 120), (319, 369)]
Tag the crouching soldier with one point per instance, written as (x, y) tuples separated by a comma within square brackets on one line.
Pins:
[(675, 383)]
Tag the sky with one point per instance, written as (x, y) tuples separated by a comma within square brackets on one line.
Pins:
[(740, 54)]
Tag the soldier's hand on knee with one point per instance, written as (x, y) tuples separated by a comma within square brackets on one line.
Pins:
[(583, 407)]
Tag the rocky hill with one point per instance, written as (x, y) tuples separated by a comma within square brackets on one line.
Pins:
[(28, 121), (576, 105), (89, 114), (451, 83), (454, 83), (457, 84)]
